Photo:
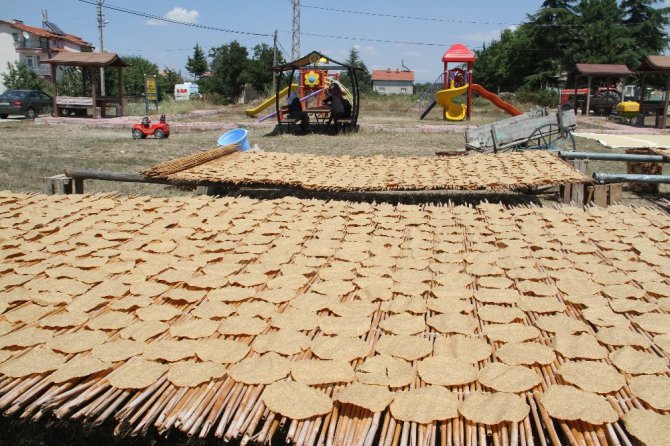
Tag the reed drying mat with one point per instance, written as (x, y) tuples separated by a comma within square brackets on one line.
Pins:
[(337, 323), (380, 173)]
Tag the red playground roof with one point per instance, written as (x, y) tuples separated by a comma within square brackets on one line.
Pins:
[(458, 53)]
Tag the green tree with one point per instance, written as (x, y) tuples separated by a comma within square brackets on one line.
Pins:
[(362, 74), (167, 79), (229, 65), (505, 62), (20, 77), (646, 26), (197, 65), (259, 68), (600, 35), (133, 77), (71, 83)]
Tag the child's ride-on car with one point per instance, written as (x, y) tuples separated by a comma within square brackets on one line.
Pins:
[(146, 128)]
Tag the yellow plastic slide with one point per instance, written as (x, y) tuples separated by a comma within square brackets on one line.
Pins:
[(453, 111), (252, 112)]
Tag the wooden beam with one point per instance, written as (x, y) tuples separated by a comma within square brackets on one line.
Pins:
[(643, 85), (54, 86), (120, 92), (94, 96), (667, 101), (588, 95)]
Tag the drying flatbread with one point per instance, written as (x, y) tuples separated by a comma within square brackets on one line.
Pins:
[(78, 367), (370, 397), (493, 408), (447, 305), (570, 403), (492, 296), (344, 326), (157, 312), (222, 351), (555, 323), (354, 308), (26, 337), (653, 390), (256, 308), (213, 310), (231, 294), (111, 320), (651, 428), (663, 341), (404, 346), (384, 370), (137, 373), (296, 401), (64, 319), (583, 346), (403, 323), (525, 353), (264, 369), (605, 317), (592, 376), (401, 304), (169, 350), (541, 304), (425, 405), (499, 314), (340, 347), (191, 373), (444, 371), (144, 330), (38, 360), (453, 323), (317, 371), (284, 342), (635, 362), (508, 378), (194, 328), (119, 350), (77, 342), (293, 319), (619, 336), (461, 347), (240, 325), (654, 322), (513, 332)]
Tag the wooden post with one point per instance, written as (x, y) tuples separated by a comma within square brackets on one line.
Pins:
[(57, 185), (640, 116), (119, 110), (666, 102), (54, 85), (94, 97), (616, 193), (588, 95), (600, 194)]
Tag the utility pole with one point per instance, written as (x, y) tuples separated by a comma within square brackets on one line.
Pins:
[(295, 52), (274, 63), (101, 25)]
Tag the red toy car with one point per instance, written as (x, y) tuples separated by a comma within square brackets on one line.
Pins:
[(146, 128)]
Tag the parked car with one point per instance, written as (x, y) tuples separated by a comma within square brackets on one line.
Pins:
[(28, 103)]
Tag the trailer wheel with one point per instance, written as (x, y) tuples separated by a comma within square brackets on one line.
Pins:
[(551, 137)]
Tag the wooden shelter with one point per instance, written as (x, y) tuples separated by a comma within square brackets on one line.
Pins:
[(312, 61), (591, 70), (654, 64), (90, 63)]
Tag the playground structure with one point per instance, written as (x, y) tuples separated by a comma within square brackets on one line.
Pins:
[(315, 74), (459, 81)]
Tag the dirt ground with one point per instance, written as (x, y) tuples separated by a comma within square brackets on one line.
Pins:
[(30, 151)]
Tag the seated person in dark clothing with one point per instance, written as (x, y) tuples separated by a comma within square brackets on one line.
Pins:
[(295, 112), (336, 103)]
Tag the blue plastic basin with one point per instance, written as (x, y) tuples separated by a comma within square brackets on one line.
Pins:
[(236, 136)]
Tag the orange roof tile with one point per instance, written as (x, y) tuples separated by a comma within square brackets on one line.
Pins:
[(392, 75), (45, 33)]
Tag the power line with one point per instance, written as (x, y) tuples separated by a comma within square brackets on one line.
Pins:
[(364, 39), (178, 22), (394, 16)]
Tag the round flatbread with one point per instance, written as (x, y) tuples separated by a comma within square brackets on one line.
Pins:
[(296, 401)]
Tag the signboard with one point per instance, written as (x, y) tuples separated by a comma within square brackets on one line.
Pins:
[(150, 91)]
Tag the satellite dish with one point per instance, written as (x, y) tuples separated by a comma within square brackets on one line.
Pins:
[(26, 35)]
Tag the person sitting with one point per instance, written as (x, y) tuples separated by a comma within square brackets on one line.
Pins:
[(146, 123), (337, 103), (295, 112)]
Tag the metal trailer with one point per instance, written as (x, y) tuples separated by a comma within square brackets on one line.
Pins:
[(536, 130)]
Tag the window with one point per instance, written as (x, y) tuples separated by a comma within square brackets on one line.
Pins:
[(382, 88), (16, 37), (403, 90), (29, 61)]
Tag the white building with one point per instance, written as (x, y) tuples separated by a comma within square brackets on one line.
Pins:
[(393, 81), (28, 44)]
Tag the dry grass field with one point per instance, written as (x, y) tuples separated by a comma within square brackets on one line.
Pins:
[(30, 151)]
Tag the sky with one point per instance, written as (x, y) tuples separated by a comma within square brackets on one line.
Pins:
[(427, 27)]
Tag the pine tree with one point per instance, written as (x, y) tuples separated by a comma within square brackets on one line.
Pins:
[(197, 65), (362, 74), (646, 26)]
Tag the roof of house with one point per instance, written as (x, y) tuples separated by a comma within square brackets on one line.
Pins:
[(392, 75), (602, 69), (458, 53), (86, 59), (655, 63), (46, 33)]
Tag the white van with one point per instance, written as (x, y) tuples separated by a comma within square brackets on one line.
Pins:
[(186, 91)]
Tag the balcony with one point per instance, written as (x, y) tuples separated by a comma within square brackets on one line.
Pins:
[(42, 70), (29, 44)]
